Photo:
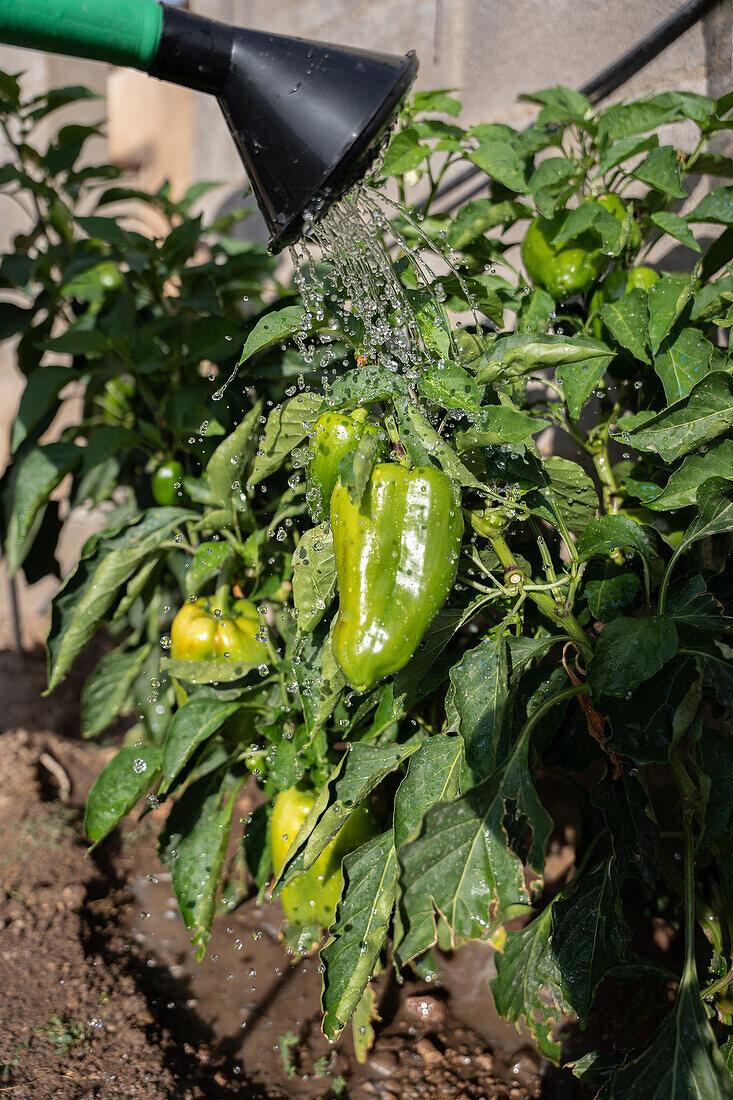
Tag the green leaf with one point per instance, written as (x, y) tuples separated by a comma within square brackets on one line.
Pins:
[(715, 511), (196, 721), (715, 207), (608, 596), (627, 319), (634, 832), (90, 590), (527, 989), (644, 726), (676, 227), (666, 299), (522, 353), (608, 533), (201, 673), (257, 846), (623, 149), (287, 426), (450, 387), (360, 930), (193, 844), (680, 365), (661, 170), (591, 215), (433, 776), (38, 474), (477, 699), (405, 153), (106, 689), (38, 399), (589, 936), (565, 493), (500, 161), (224, 468), (684, 482), (714, 662), (716, 757), (423, 444), (314, 576), (477, 217), (207, 562), (272, 329), (499, 424), (692, 606), (699, 418), (354, 777), (578, 381), (681, 1060), (436, 100), (117, 788), (624, 119), (460, 867), (630, 651)]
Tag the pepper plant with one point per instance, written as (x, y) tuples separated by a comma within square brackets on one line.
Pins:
[(570, 423)]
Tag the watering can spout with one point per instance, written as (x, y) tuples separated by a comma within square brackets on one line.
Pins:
[(306, 117)]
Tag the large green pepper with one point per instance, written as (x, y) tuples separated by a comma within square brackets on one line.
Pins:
[(335, 435), (574, 266), (202, 632), (396, 561), (313, 896)]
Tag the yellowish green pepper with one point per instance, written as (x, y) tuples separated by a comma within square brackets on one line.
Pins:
[(313, 896)]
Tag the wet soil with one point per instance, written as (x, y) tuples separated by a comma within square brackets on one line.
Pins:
[(101, 995)]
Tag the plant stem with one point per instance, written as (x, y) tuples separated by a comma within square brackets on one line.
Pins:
[(557, 614)]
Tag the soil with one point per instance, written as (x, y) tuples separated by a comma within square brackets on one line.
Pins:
[(102, 995)]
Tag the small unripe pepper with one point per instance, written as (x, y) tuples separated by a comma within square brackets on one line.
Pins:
[(335, 435)]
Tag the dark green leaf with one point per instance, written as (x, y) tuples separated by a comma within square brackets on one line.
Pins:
[(681, 1060), (661, 170), (527, 989), (360, 930), (38, 474), (193, 845), (715, 207), (666, 300), (192, 724), (589, 935), (608, 533), (476, 702), (633, 830), (38, 399), (130, 773), (630, 651), (644, 726), (627, 319), (106, 689), (684, 482), (680, 365), (676, 227), (608, 595)]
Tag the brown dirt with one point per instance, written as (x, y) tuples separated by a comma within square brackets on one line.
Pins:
[(101, 995)]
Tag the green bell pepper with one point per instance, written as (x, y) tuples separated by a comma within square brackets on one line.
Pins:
[(573, 266), (396, 560)]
